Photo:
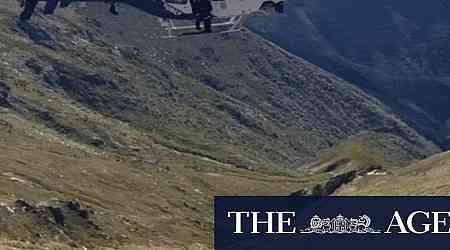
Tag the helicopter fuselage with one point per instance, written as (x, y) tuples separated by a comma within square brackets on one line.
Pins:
[(225, 8), (181, 9)]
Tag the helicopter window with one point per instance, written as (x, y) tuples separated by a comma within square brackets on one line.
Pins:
[(177, 1)]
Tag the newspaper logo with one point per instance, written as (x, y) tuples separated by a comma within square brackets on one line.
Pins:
[(340, 225)]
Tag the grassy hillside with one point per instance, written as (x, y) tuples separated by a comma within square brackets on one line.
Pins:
[(165, 200), (427, 177), (233, 98), (131, 136)]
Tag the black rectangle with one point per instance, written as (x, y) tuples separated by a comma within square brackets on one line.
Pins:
[(407, 223)]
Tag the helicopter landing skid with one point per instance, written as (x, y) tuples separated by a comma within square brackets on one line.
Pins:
[(221, 26)]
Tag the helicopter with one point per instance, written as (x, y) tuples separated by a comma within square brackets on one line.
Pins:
[(176, 16)]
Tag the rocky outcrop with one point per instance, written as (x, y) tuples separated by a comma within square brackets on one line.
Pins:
[(339, 180), (302, 192), (61, 213), (334, 183), (67, 221)]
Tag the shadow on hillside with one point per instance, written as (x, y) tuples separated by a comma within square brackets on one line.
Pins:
[(38, 35), (152, 7)]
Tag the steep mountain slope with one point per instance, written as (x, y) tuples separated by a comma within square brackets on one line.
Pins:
[(130, 136), (396, 50), (236, 96)]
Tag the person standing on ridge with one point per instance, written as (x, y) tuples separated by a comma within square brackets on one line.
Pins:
[(50, 7), (28, 9), (30, 5), (201, 9)]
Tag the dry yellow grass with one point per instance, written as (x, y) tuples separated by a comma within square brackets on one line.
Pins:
[(427, 177), (20, 245)]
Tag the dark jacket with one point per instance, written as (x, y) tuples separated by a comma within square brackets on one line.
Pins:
[(201, 6)]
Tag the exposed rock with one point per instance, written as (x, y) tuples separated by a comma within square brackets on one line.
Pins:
[(58, 215), (6, 126), (74, 205), (66, 222), (24, 205), (372, 170), (35, 66), (302, 192), (40, 36), (333, 166), (62, 214), (84, 214), (334, 183), (97, 142)]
